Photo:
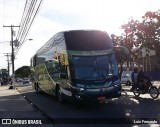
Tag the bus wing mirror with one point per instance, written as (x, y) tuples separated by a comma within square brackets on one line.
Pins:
[(122, 53)]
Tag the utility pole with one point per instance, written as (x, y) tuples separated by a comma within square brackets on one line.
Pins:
[(12, 55), (8, 55)]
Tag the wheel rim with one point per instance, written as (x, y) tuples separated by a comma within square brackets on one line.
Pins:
[(154, 92)]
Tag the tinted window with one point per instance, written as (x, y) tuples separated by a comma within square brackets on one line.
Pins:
[(95, 67), (87, 40)]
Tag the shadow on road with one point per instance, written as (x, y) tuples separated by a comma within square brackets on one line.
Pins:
[(124, 109)]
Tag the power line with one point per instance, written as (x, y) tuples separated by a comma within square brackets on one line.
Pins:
[(30, 11), (34, 16), (27, 20), (22, 20)]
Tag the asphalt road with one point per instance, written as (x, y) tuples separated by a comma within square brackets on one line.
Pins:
[(124, 110)]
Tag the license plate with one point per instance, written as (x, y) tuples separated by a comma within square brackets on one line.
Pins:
[(102, 98)]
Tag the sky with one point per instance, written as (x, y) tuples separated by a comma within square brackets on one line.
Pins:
[(60, 15)]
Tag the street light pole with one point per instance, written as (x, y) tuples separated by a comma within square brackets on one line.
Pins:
[(13, 73), (12, 58), (30, 39), (12, 50), (8, 55)]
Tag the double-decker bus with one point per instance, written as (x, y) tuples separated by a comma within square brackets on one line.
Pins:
[(77, 65)]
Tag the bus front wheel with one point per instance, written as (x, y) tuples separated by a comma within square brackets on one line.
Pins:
[(59, 94)]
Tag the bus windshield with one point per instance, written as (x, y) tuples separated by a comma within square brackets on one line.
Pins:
[(95, 67)]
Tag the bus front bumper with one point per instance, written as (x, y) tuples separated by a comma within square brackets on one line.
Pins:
[(98, 94)]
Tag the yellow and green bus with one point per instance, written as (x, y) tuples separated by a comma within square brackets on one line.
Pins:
[(77, 65)]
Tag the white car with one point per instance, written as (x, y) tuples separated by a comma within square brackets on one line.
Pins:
[(25, 80), (19, 80), (126, 79)]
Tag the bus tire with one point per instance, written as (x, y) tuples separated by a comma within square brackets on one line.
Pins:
[(59, 94)]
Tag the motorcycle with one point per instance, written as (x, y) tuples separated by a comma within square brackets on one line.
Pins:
[(146, 87)]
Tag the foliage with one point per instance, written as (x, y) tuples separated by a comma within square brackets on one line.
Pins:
[(141, 33), (23, 72)]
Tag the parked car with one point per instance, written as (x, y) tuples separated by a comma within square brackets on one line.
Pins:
[(25, 80), (126, 79), (19, 80)]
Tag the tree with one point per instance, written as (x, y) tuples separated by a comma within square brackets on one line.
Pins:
[(151, 32), (23, 72), (142, 33)]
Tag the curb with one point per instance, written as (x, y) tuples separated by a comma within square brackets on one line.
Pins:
[(35, 106)]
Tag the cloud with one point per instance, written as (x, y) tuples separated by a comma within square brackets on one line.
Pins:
[(41, 31), (61, 15)]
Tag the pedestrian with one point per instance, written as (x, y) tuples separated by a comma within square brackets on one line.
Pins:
[(134, 78)]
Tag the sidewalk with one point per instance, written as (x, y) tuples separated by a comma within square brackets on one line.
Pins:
[(11, 100), (14, 107)]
